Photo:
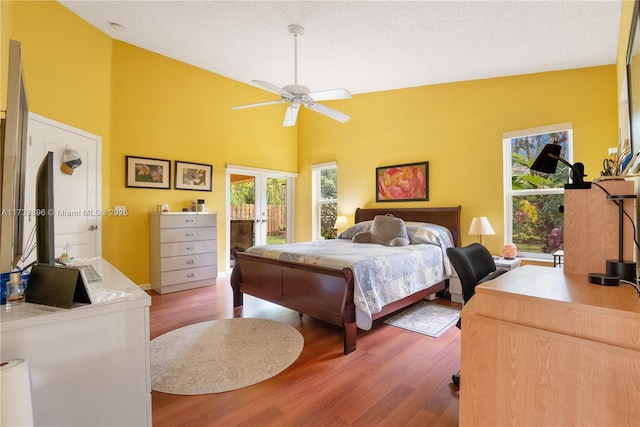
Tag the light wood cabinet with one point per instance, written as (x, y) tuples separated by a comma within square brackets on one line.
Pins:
[(591, 234), (542, 347), (183, 250)]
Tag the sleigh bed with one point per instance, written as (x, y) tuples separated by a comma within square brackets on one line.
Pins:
[(324, 288)]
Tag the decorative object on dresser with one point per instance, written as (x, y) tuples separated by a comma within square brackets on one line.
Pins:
[(144, 172), (408, 182), (193, 176), (480, 227), (183, 250), (327, 292), (509, 251), (222, 355)]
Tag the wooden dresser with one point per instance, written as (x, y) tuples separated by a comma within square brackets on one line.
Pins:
[(541, 347), (183, 250)]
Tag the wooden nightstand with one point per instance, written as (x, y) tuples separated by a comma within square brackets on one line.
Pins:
[(506, 264)]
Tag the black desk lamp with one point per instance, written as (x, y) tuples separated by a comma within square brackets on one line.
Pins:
[(547, 162), (626, 270)]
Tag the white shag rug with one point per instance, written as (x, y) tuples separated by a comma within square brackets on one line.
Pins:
[(222, 355), (426, 318)]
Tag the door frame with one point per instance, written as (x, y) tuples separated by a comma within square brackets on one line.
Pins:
[(260, 175), (97, 166)]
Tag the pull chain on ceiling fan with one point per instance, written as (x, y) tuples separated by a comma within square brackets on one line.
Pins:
[(297, 95)]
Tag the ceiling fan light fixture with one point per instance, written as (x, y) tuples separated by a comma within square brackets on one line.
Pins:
[(297, 95)]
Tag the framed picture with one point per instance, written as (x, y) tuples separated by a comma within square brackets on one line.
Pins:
[(143, 172), (193, 176), (409, 182)]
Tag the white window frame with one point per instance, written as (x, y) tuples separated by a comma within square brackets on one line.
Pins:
[(315, 197), (509, 193)]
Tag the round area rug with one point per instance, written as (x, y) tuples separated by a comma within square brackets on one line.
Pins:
[(222, 355)]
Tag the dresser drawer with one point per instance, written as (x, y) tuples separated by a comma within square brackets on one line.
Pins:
[(187, 220), (187, 261), (187, 248), (187, 234), (190, 275)]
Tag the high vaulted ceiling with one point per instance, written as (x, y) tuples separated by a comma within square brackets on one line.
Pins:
[(366, 46)]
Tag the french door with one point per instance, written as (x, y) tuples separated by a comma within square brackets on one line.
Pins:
[(259, 207)]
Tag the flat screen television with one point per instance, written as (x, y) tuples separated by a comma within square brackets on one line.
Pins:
[(12, 158), (45, 212)]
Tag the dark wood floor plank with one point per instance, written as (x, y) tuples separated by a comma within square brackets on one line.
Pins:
[(394, 378)]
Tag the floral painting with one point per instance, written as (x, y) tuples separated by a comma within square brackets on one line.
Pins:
[(146, 172), (193, 176), (408, 182)]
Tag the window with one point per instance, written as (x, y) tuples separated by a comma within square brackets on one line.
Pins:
[(533, 220), (325, 200)]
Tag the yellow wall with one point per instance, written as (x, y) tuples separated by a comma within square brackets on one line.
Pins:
[(144, 104), (458, 128), (166, 109)]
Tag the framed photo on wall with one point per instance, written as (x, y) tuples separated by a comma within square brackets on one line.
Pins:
[(193, 176), (408, 182), (144, 172)]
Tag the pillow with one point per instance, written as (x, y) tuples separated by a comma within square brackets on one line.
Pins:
[(355, 229), (386, 230), (434, 234)]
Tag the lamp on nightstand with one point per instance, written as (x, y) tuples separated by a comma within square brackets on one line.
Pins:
[(341, 223), (480, 227)]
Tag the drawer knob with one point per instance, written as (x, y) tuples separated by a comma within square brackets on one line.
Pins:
[(190, 247), (190, 275), (190, 261), (189, 234), (189, 220)]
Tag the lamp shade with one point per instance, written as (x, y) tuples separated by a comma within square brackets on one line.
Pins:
[(341, 222), (547, 160), (480, 226)]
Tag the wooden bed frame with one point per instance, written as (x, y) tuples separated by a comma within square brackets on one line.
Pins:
[(326, 293)]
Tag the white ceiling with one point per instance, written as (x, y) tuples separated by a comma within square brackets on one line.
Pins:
[(367, 46)]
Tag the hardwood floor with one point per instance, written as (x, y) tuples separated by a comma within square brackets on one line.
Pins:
[(394, 378)]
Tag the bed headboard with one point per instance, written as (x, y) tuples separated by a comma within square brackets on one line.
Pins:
[(447, 217)]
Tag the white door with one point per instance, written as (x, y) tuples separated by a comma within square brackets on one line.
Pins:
[(269, 204), (78, 220)]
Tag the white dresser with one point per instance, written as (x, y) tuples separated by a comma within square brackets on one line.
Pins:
[(183, 250), (89, 366)]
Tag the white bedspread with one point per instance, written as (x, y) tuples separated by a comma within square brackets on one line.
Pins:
[(382, 274)]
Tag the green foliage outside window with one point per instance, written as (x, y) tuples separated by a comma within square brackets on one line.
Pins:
[(536, 216), (328, 202)]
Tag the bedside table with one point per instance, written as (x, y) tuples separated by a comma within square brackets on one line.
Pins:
[(506, 264)]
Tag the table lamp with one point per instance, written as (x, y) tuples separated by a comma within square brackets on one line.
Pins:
[(480, 227), (341, 223)]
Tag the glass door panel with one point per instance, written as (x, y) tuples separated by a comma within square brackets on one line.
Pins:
[(276, 213), (241, 212)]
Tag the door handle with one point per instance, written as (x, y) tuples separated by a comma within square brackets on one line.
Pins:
[(93, 227)]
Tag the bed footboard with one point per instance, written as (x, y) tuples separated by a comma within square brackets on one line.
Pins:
[(319, 292)]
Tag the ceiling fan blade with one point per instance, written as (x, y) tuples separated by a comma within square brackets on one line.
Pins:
[(271, 87), (258, 104), (291, 114), (327, 95), (329, 112)]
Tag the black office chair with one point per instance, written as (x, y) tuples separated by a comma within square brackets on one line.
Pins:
[(474, 265)]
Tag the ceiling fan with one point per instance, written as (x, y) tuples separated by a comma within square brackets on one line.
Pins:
[(297, 95)]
